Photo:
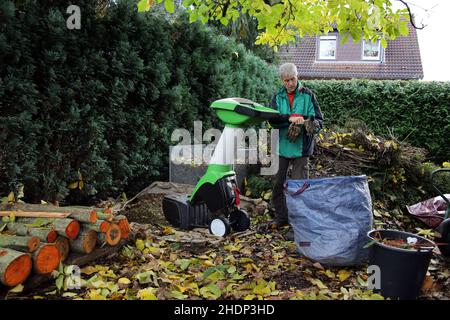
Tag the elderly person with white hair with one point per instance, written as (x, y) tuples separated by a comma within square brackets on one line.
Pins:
[(296, 105)]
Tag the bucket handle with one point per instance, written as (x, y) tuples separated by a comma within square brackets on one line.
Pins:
[(437, 189)]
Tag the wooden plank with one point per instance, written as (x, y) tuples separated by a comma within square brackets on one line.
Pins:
[(45, 208), (35, 214)]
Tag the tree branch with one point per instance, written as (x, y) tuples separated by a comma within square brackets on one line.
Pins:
[(411, 19)]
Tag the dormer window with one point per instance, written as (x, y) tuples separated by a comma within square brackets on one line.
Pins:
[(371, 50), (327, 47)]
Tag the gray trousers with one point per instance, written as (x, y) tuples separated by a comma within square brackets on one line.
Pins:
[(299, 171)]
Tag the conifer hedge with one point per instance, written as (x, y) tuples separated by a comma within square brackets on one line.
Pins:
[(99, 104)]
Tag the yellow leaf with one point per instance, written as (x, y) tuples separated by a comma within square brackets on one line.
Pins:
[(343, 274), (140, 245), (181, 288), (11, 197), (107, 274), (376, 213), (211, 291), (99, 267), (216, 275), (425, 232), (232, 248), (193, 287), (261, 289), (249, 297), (318, 283), (73, 185), (330, 274), (147, 294), (231, 270), (376, 296), (96, 295), (17, 289), (446, 165), (168, 230), (69, 294), (124, 281), (154, 250), (89, 270), (44, 202)]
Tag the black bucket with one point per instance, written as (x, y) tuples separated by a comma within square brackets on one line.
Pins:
[(402, 271)]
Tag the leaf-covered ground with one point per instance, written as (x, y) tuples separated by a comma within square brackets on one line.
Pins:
[(163, 263)]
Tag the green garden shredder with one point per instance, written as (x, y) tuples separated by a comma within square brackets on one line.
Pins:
[(214, 202)]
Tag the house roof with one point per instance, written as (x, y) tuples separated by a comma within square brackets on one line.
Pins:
[(401, 61)]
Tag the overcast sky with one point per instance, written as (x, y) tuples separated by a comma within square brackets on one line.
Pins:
[(434, 47)]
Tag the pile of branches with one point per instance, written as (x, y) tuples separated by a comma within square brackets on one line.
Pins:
[(354, 150), (395, 169)]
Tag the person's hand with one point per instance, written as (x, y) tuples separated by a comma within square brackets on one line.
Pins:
[(293, 132), (297, 120), (311, 126)]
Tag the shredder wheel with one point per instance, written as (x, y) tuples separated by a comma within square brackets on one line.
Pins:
[(219, 226), (239, 220)]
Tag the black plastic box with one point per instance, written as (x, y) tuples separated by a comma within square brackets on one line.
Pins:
[(182, 214)]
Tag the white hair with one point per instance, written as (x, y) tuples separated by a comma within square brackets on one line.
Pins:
[(287, 69)]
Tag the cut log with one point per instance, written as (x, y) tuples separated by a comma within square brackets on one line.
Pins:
[(44, 234), (105, 216), (63, 245), (36, 281), (124, 226), (21, 243), (46, 258), (34, 214), (90, 217), (85, 242), (111, 237), (15, 267), (65, 227), (99, 226)]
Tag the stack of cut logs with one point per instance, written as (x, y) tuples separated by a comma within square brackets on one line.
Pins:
[(37, 241)]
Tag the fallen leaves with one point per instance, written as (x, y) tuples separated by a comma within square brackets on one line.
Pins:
[(257, 265), (344, 275)]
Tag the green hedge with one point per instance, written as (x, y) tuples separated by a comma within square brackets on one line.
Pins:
[(416, 111), (103, 101)]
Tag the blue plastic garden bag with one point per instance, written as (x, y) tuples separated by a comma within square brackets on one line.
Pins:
[(330, 218)]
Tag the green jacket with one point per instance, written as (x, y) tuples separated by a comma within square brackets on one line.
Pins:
[(305, 104)]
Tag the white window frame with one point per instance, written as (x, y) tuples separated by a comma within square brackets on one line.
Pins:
[(377, 58), (330, 37)]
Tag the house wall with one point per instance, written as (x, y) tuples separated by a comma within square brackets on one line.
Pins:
[(401, 60)]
